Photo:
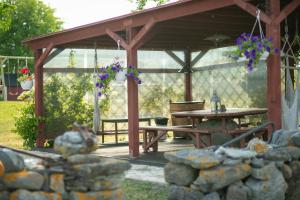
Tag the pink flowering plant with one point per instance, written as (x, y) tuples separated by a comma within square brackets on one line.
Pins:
[(108, 73), (252, 47)]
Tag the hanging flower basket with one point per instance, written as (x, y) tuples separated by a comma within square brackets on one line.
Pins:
[(121, 75), (27, 84)]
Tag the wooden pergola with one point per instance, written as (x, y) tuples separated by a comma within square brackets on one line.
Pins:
[(182, 25)]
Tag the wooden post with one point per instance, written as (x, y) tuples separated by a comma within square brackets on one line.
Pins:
[(187, 76), (38, 74), (133, 103), (273, 67)]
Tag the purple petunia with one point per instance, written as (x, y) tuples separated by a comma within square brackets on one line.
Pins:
[(253, 53), (247, 54), (99, 94), (268, 49)]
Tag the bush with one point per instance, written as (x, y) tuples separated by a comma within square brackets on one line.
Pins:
[(64, 104)]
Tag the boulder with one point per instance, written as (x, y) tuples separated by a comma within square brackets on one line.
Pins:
[(257, 163), (196, 158), (103, 195), (210, 180), (296, 139), (183, 193), (11, 161), (24, 180), (264, 173), (286, 171), (278, 154), (179, 174), (236, 153), (25, 194), (57, 183), (272, 189), (212, 196), (4, 195), (238, 191), (83, 158), (282, 137), (72, 142)]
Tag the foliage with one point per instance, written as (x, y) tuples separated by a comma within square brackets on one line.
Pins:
[(142, 3), (137, 190), (28, 18), (25, 74), (109, 73), (252, 47), (5, 15), (26, 123)]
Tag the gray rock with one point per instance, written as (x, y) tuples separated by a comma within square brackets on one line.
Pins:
[(183, 193), (282, 137), (278, 154), (100, 195), (26, 195), (72, 142), (294, 152), (12, 161), (293, 192), (230, 162), (264, 173), (257, 162), (216, 178), (83, 158), (197, 158), (286, 171), (238, 191), (296, 139), (272, 189), (179, 174), (279, 164), (4, 195), (236, 153), (106, 166), (212, 196), (98, 183), (295, 166), (24, 180)]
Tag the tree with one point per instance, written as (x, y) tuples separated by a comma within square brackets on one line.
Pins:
[(27, 18), (142, 3)]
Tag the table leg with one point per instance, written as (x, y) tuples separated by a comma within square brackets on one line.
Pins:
[(149, 122), (102, 132), (145, 137), (155, 145), (198, 142), (116, 132)]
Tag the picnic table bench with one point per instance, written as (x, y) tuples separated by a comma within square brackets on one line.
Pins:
[(116, 131), (152, 134)]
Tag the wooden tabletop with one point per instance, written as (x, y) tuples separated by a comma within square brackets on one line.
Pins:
[(121, 120), (229, 113)]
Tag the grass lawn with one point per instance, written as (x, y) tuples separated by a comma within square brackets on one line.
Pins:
[(137, 190), (8, 110)]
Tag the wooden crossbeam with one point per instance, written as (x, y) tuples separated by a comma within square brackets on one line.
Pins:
[(54, 54), (117, 38), (251, 9), (175, 57), (43, 57), (197, 58), (142, 33), (286, 11)]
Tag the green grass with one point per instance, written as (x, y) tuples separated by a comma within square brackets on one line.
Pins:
[(137, 190), (8, 109)]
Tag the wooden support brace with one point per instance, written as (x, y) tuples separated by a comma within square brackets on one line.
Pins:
[(53, 54), (197, 58), (117, 39), (286, 11), (44, 56), (175, 57), (142, 33), (251, 9)]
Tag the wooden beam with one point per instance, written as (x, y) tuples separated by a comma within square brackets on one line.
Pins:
[(162, 13), (54, 54), (273, 68), (38, 95), (133, 102), (142, 33), (175, 57), (197, 58), (251, 9), (43, 57), (286, 11), (117, 39), (187, 76)]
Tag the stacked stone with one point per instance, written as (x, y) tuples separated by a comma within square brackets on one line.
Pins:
[(270, 173), (77, 175)]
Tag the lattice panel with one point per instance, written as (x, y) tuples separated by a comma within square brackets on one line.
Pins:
[(235, 86)]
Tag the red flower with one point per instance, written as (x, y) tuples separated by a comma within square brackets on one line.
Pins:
[(24, 70)]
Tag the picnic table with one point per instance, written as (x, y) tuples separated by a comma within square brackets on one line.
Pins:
[(116, 129)]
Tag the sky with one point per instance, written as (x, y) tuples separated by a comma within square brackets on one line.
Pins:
[(79, 12)]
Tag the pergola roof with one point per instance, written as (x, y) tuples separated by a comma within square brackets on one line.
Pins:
[(180, 25)]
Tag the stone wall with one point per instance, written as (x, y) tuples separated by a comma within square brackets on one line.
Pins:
[(259, 172), (77, 174)]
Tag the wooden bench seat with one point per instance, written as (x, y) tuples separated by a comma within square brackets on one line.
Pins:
[(151, 135)]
